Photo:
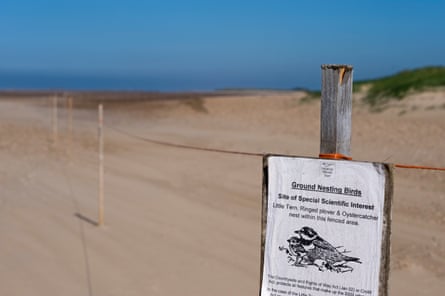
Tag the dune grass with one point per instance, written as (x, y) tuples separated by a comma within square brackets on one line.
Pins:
[(311, 95), (399, 85)]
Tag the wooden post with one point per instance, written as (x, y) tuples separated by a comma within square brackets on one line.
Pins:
[(336, 107), (279, 171), (69, 119), (54, 120), (101, 166), (70, 116), (67, 113)]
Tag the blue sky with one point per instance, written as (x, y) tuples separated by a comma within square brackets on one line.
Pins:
[(191, 44)]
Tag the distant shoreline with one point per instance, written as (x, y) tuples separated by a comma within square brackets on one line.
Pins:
[(134, 95)]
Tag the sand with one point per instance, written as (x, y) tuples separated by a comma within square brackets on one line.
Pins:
[(184, 222)]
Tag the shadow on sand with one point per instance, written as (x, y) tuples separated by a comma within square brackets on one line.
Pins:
[(86, 219)]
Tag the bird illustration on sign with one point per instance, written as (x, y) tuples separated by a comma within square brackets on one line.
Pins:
[(307, 248)]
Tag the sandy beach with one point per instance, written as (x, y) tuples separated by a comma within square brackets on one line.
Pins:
[(186, 222)]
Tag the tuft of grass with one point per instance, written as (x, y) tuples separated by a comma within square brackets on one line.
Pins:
[(311, 95), (399, 85), (196, 104), (432, 107), (357, 85)]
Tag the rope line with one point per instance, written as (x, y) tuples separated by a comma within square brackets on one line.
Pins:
[(334, 156), (397, 165), (417, 167), (190, 147), (182, 146)]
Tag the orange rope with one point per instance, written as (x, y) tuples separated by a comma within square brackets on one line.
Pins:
[(334, 156), (322, 155), (418, 167), (397, 165), (182, 146)]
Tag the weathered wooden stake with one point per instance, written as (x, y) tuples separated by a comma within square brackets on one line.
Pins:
[(54, 120), (336, 107), (70, 115), (101, 166), (67, 107), (69, 119), (335, 142)]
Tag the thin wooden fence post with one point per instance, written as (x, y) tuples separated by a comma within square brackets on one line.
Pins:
[(54, 119), (70, 115), (68, 124), (101, 166), (336, 110), (67, 111)]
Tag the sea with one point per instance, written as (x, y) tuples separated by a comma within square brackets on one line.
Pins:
[(11, 81), (45, 81)]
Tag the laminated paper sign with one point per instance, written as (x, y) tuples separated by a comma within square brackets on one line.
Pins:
[(325, 227)]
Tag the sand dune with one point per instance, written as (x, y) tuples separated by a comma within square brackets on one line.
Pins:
[(184, 222)]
